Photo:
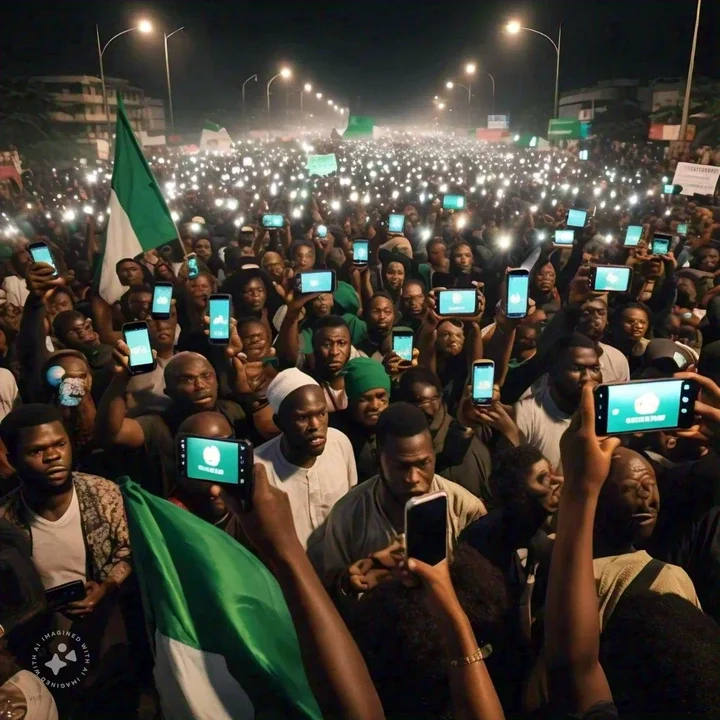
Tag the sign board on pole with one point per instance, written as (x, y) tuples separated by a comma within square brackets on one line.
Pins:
[(321, 165), (696, 179), (498, 122), (564, 129), (670, 132)]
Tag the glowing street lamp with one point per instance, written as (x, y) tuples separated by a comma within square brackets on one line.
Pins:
[(145, 27), (307, 87), (514, 27), (470, 69), (284, 73), (318, 96)]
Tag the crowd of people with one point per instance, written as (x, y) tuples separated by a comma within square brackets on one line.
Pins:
[(568, 588)]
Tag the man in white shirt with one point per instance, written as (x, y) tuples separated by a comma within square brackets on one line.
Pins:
[(544, 417), (313, 464)]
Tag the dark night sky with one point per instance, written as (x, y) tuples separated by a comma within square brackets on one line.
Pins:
[(394, 54)]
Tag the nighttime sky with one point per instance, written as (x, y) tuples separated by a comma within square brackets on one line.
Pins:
[(392, 54)]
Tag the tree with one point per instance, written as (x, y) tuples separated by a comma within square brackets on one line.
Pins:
[(26, 120)]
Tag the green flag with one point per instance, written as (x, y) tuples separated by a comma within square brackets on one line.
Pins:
[(225, 645), (139, 217)]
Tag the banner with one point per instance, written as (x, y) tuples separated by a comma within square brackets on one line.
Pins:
[(498, 122), (565, 129), (696, 179), (321, 165), (359, 126), (670, 132)]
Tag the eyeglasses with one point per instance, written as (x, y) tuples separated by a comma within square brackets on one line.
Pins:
[(427, 401)]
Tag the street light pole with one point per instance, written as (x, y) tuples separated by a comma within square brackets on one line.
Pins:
[(691, 70), (143, 26), (167, 71), (243, 96), (283, 73), (493, 87), (515, 27)]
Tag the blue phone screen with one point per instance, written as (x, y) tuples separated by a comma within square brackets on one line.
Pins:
[(633, 235), (162, 298), (660, 246), (454, 202), (682, 228), (273, 221), (645, 406), (219, 319), (42, 254), (517, 295), (403, 346), (482, 382), (457, 302), (576, 218), (396, 223), (564, 237), (360, 251), (193, 270), (312, 282), (139, 343), (612, 279)]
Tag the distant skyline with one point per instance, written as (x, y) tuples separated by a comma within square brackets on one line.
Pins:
[(387, 58)]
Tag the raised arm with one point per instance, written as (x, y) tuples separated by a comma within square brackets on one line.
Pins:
[(577, 682), (112, 422), (335, 669)]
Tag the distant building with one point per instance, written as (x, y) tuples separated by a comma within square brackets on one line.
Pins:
[(614, 99), (81, 111)]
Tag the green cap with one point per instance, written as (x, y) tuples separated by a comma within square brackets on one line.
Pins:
[(363, 374)]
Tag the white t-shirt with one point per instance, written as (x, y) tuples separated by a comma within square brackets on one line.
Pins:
[(9, 396), (312, 491), (58, 547), (542, 424), (26, 687), (16, 292)]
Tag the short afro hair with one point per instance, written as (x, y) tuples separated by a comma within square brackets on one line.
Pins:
[(400, 420), (509, 474), (25, 416), (661, 655)]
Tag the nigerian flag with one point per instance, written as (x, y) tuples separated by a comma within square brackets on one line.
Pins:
[(225, 645), (214, 137), (139, 218)]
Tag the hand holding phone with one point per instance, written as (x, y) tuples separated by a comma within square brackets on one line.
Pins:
[(517, 288), (361, 253), (162, 300), (315, 281), (661, 244), (610, 278), (219, 312), (192, 265), (426, 528), (141, 358), (273, 221), (40, 253), (460, 302), (483, 382), (645, 406), (221, 461), (403, 344)]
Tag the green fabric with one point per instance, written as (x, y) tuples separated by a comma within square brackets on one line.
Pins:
[(213, 127), (346, 298), (137, 190), (205, 590), (363, 374)]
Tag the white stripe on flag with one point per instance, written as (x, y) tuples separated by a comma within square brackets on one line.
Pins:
[(197, 685), (121, 242)]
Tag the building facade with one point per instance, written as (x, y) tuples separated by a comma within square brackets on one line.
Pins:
[(614, 97), (80, 109)]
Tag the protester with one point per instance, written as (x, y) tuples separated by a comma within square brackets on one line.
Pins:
[(312, 463), (371, 517)]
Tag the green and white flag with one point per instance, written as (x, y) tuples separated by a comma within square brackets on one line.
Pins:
[(139, 217), (225, 645), (214, 137)]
